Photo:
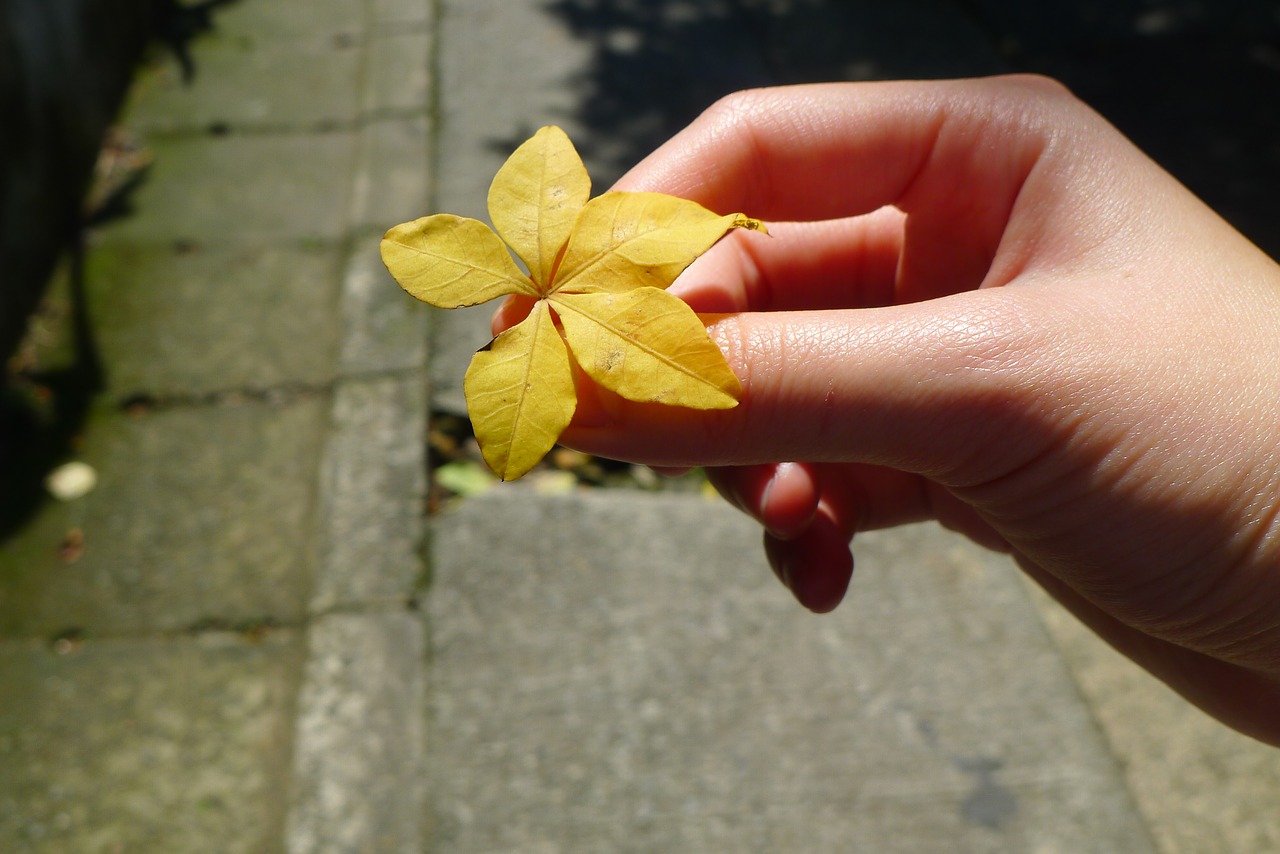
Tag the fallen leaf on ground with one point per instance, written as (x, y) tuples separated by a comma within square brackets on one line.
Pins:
[(597, 274)]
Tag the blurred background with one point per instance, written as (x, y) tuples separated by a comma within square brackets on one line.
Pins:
[(256, 592)]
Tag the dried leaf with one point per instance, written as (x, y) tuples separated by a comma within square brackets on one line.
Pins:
[(630, 240), (536, 197), (598, 269), (451, 261), (520, 394), (648, 346)]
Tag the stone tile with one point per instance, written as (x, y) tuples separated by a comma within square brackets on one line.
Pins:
[(488, 105), (248, 81), (281, 19), (393, 173), (616, 672), (197, 319), (179, 744), (258, 188), (383, 328), (373, 490), (455, 337), (202, 515), (357, 758), (399, 71), (1203, 788), (401, 13)]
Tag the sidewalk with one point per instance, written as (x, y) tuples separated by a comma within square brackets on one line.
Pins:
[(258, 641)]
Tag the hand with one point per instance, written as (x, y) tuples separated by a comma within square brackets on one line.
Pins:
[(982, 305)]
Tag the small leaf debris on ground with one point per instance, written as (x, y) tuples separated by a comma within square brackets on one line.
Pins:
[(457, 470)]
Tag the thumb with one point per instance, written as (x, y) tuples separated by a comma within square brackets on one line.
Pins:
[(945, 388)]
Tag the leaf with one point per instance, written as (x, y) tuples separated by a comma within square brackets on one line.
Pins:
[(520, 394), (648, 346), (628, 240), (536, 197), (451, 261), (602, 265), (464, 477)]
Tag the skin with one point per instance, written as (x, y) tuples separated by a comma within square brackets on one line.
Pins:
[(981, 305)]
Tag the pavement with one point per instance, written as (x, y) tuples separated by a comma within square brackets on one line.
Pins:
[(256, 633)]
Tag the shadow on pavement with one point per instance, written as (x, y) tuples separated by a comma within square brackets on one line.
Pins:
[(1195, 85), (63, 73)]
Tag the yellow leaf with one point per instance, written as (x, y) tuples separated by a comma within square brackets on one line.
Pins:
[(520, 394), (451, 261), (628, 240), (601, 264), (535, 198), (647, 345)]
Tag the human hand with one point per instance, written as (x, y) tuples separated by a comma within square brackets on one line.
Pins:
[(982, 305)]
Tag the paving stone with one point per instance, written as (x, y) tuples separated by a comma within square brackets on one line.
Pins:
[(170, 744), (383, 328), (195, 319), (203, 515), (1203, 788), (358, 752), (314, 20), (403, 13), (506, 69), (311, 85), (620, 672), (392, 175), (258, 188), (372, 496), (399, 76)]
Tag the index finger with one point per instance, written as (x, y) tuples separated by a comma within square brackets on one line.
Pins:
[(831, 150)]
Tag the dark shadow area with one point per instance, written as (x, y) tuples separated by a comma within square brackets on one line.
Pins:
[(177, 25), (65, 69), (42, 412), (1195, 85)]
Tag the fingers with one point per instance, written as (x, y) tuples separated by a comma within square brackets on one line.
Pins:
[(783, 497), (799, 266), (957, 157), (835, 150), (816, 565), (924, 388)]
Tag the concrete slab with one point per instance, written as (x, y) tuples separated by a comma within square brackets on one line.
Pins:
[(1203, 788), (318, 20), (373, 490), (262, 188), (394, 14), (383, 328), (198, 319), (203, 515), (399, 73), (170, 744), (358, 752), (392, 174), (247, 80), (618, 672)]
